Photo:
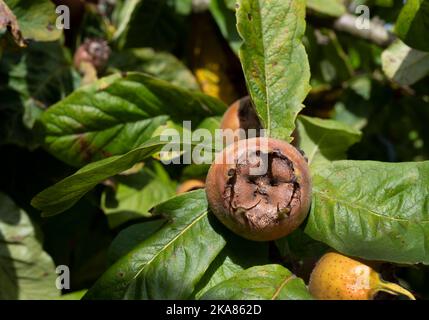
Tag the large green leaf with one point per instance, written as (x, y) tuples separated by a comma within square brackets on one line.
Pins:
[(26, 271), (324, 140), (119, 113), (169, 264), (269, 282), (162, 65), (36, 19), (136, 194), (372, 210), (334, 8), (68, 191), (131, 237), (238, 254), (412, 25), (274, 60), (403, 64)]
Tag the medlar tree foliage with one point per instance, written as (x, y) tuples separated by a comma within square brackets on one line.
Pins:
[(84, 182)]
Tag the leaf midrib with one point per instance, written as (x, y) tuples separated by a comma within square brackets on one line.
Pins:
[(169, 243), (352, 204)]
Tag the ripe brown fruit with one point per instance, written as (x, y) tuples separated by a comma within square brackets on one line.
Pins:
[(95, 52), (190, 185), (241, 114), (337, 277), (264, 206)]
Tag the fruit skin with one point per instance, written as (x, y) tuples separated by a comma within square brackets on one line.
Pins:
[(241, 114), (264, 207), (337, 277), (190, 185), (93, 51)]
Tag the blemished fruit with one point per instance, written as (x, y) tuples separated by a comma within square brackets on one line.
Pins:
[(93, 51), (190, 185), (241, 114), (338, 277), (265, 205)]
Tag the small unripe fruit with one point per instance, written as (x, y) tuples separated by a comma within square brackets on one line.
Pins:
[(190, 185), (259, 205), (337, 277), (241, 115)]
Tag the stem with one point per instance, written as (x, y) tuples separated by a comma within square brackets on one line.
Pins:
[(393, 288)]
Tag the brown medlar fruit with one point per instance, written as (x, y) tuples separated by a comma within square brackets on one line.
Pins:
[(260, 188), (93, 51), (190, 185), (241, 115)]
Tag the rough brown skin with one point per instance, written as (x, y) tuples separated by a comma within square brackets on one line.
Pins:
[(264, 207), (241, 114), (190, 185), (337, 277), (95, 52)]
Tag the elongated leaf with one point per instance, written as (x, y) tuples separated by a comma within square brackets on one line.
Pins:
[(118, 114), (234, 258), (269, 282), (274, 60), (131, 237), (26, 271), (36, 19), (161, 65), (68, 191), (325, 140), (334, 8), (136, 194), (404, 64), (372, 210), (412, 25), (168, 264)]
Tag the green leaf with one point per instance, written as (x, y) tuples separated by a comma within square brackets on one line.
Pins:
[(412, 25), (169, 264), (36, 19), (403, 64), (334, 8), (226, 21), (26, 272), (269, 282), (161, 65), (146, 23), (68, 191), (234, 258), (76, 295), (274, 60), (372, 210), (325, 140), (136, 194), (117, 114), (131, 237)]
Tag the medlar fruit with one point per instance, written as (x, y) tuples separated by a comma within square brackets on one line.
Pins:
[(337, 277), (190, 185), (95, 52), (241, 115), (259, 188)]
